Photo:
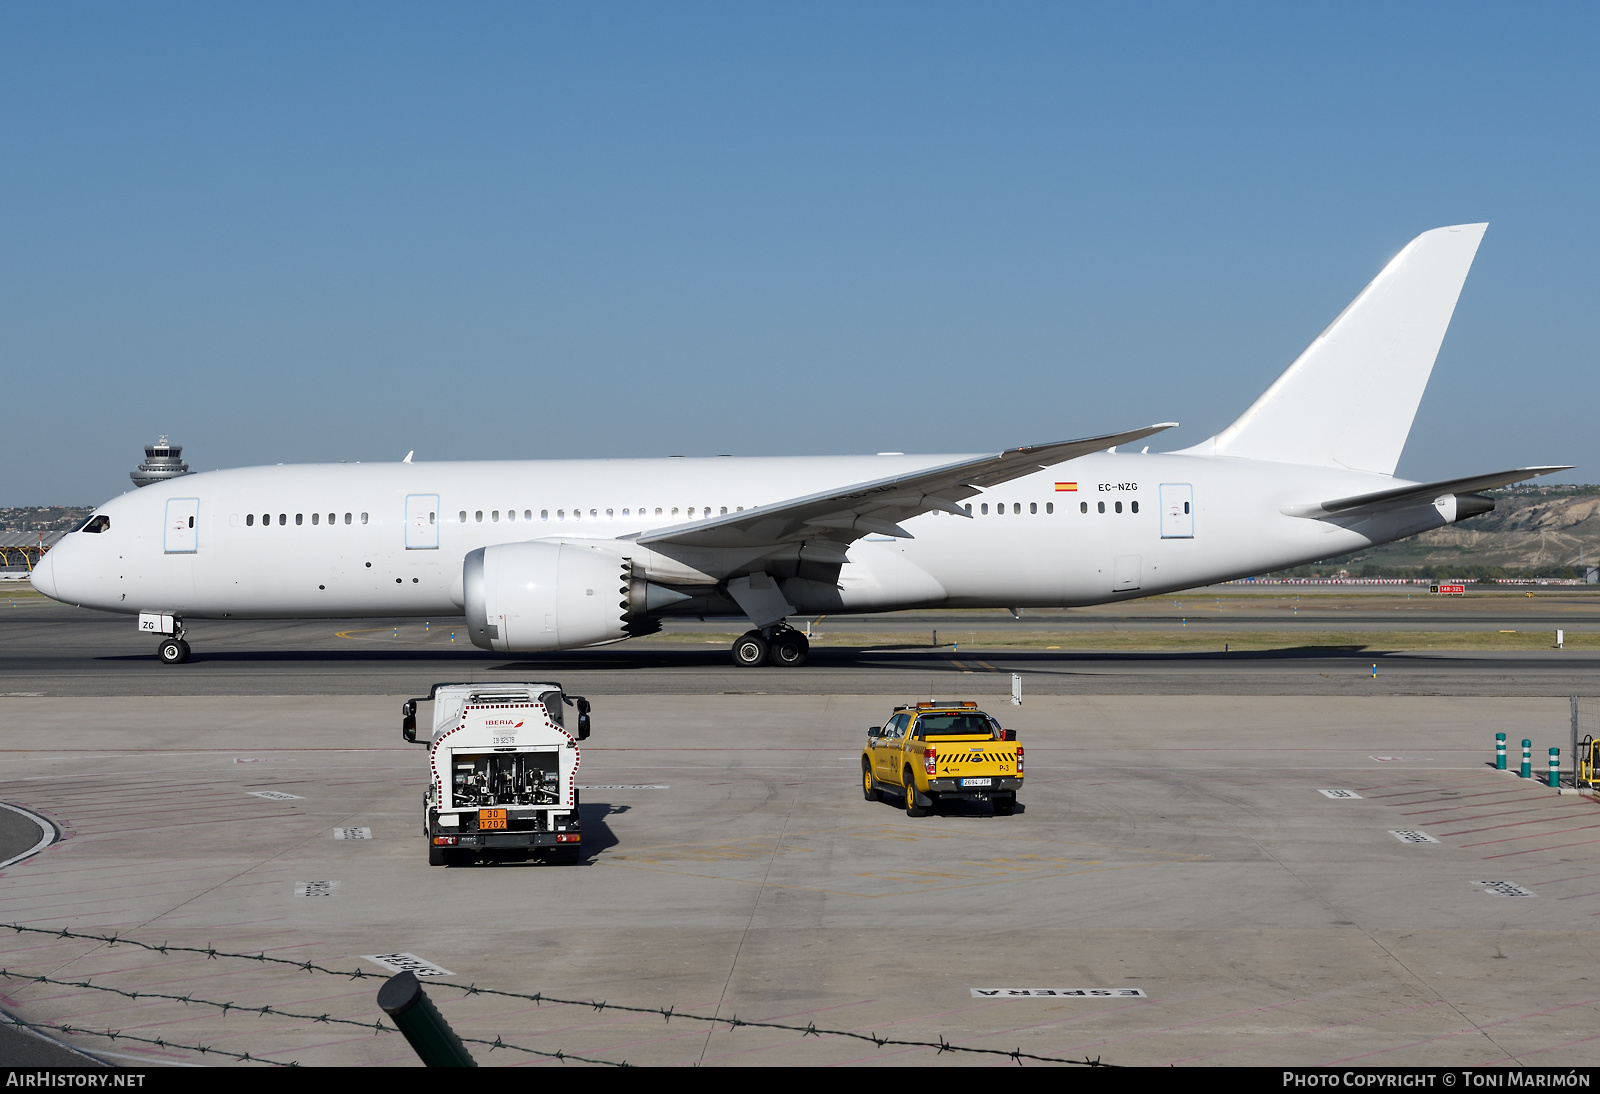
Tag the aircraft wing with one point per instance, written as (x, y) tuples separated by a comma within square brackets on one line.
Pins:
[(1425, 491), (847, 514)]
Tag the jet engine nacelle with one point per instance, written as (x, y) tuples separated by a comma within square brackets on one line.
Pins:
[(546, 596)]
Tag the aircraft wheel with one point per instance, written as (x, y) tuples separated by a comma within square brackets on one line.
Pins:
[(790, 649), (749, 650), (174, 651)]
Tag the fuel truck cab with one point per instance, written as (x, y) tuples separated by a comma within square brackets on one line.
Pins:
[(502, 771)]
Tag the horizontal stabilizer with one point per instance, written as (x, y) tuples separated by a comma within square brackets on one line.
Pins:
[(1417, 492)]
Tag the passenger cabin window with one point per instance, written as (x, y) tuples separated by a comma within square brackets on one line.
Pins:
[(1016, 509), (463, 516), (97, 524), (363, 518), (984, 508), (1133, 505), (494, 517), (544, 514), (316, 518), (283, 518), (333, 518), (1185, 507), (1033, 507), (347, 518), (299, 518), (249, 520), (527, 514), (511, 515), (1118, 504), (1049, 507), (1083, 507), (1101, 506), (478, 516)]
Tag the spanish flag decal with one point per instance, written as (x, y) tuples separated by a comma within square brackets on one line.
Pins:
[(1066, 487)]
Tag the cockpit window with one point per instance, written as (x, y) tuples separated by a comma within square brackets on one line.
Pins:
[(97, 524)]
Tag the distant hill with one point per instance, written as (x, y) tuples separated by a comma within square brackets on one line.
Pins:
[(43, 518), (1534, 531)]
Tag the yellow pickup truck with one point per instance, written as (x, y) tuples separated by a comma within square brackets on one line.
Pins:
[(948, 751)]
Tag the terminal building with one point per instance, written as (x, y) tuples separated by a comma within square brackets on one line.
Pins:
[(162, 461)]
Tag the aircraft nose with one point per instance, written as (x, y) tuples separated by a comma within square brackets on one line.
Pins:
[(43, 577)]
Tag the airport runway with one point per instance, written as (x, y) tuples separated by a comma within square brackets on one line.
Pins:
[(1182, 853), (51, 649), (1175, 840)]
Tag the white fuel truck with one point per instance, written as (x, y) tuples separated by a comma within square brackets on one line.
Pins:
[(503, 767)]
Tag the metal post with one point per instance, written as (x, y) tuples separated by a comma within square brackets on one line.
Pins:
[(1499, 751), (1527, 758), (1016, 689), (403, 999), (1555, 767), (1573, 699)]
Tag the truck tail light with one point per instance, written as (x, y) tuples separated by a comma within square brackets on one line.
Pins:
[(445, 841), (931, 760), (1019, 759), (567, 837)]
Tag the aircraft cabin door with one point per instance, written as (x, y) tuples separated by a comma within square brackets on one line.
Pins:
[(422, 522), (1177, 510), (180, 536)]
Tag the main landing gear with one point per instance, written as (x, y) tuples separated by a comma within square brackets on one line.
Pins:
[(779, 645)]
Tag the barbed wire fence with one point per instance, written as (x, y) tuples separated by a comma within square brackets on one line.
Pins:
[(732, 1022)]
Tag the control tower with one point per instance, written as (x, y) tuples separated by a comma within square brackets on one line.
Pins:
[(162, 461)]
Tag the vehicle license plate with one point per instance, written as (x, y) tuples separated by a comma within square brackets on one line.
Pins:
[(977, 782), (491, 818)]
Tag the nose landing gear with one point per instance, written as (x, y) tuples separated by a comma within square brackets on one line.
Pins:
[(173, 649), (779, 645)]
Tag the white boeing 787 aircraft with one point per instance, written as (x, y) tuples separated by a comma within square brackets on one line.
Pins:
[(551, 555)]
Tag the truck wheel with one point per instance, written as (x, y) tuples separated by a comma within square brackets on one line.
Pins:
[(869, 785), (749, 650), (912, 808), (565, 856), (1005, 805)]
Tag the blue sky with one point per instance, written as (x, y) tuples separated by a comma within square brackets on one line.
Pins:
[(322, 232)]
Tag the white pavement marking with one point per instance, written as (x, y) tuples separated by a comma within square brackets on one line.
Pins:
[(47, 834), (276, 795), (622, 786), (406, 962), (1339, 794), (315, 888), (1058, 993), (352, 833), (1504, 888), (1411, 835)]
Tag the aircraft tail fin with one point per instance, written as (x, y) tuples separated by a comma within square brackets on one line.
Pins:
[(1350, 398)]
